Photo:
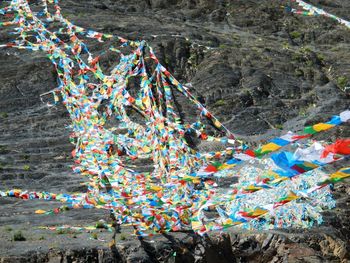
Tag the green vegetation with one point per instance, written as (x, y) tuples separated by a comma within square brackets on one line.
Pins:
[(223, 46), (236, 37), (305, 56), (26, 167), (4, 114), (298, 72), (61, 232), (18, 236), (296, 57), (25, 157), (3, 149), (65, 208), (305, 50), (279, 126), (219, 103), (122, 237), (167, 60), (295, 34), (100, 225), (8, 228), (303, 111), (285, 45), (94, 236), (193, 59), (309, 63), (66, 231), (321, 57), (342, 82)]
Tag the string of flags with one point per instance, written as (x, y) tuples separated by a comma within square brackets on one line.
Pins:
[(310, 10), (181, 193), (239, 155)]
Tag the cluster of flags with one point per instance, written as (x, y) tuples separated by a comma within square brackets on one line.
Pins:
[(311, 10), (182, 188)]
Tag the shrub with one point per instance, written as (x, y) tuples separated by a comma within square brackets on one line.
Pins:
[(100, 224), (18, 236), (295, 34), (299, 72), (3, 149), (66, 231), (219, 103), (342, 82)]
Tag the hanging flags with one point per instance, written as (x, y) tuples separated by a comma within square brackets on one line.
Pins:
[(182, 185), (311, 10)]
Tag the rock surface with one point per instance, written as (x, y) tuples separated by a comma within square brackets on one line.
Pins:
[(260, 69)]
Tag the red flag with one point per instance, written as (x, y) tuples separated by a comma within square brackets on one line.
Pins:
[(341, 146), (211, 168)]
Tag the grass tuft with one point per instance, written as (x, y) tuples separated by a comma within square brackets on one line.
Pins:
[(18, 236)]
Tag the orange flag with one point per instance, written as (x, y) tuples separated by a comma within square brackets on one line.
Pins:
[(341, 146)]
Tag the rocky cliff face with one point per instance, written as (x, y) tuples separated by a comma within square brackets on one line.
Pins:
[(260, 69)]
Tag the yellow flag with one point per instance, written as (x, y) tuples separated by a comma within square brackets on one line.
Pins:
[(270, 147), (322, 126), (40, 212)]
